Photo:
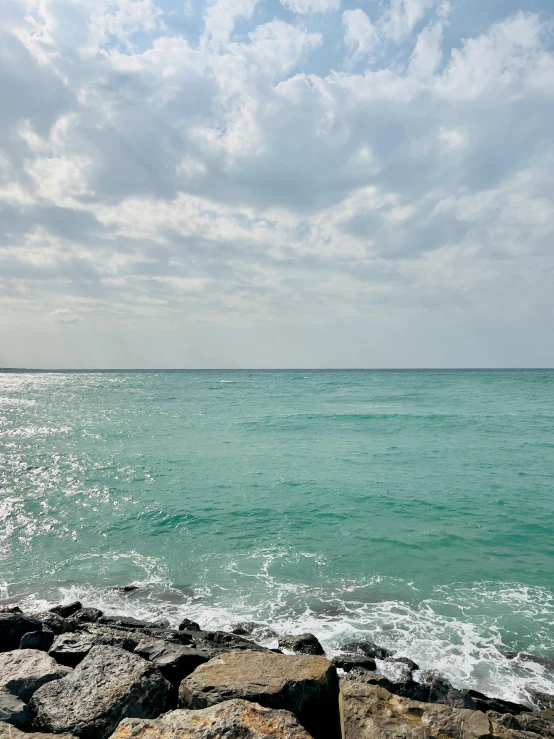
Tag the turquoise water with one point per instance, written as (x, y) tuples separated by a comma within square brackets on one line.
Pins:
[(411, 507)]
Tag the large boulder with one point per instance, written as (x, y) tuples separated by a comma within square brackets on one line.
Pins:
[(10, 732), (485, 703), (24, 671), (13, 710), (368, 649), (87, 615), (188, 625), (41, 640), (70, 649), (544, 701), (302, 644), (348, 662), (174, 661), (67, 610), (234, 719), (12, 627), (54, 622), (108, 685), (307, 686)]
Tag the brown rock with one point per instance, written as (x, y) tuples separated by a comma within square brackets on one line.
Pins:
[(234, 719), (10, 732), (305, 685)]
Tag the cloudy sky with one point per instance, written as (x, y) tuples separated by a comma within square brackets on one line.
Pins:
[(278, 183)]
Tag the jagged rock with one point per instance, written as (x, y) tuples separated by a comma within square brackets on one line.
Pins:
[(371, 712), (544, 701), (441, 691), (12, 627), (10, 609), (108, 685), (484, 703), (405, 688), (305, 685), (252, 628), (347, 662), (234, 719), (87, 615), (126, 589), (124, 621), (71, 649), (302, 644), (537, 722), (23, 671), (174, 661), (11, 732), (171, 635), (368, 648), (67, 610), (544, 661), (55, 623), (410, 664), (13, 711), (188, 625), (226, 640), (41, 640)]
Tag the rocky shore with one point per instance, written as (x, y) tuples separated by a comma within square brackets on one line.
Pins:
[(75, 672)]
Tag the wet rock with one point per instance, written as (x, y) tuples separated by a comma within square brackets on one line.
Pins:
[(41, 640), (108, 685), (441, 691), (484, 703), (13, 626), (223, 641), (347, 662), (234, 719), (71, 649), (305, 685), (371, 712), (543, 701), (127, 622), (55, 623), (87, 615), (367, 648), (410, 664), (188, 625), (8, 731), (13, 711), (174, 661), (23, 671), (254, 629), (65, 611), (302, 644), (11, 609), (126, 589), (544, 661), (405, 688), (538, 722)]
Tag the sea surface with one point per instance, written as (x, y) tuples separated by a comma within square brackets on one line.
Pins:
[(414, 508)]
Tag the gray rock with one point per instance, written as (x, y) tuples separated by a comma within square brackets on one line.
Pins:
[(11, 609), (347, 662), (188, 625), (234, 719), (126, 589), (87, 615), (55, 623), (12, 627), (441, 691), (71, 649), (253, 629), (410, 664), (538, 722), (67, 610), (41, 640), (369, 649), (127, 622), (8, 731), (302, 644), (544, 701), (484, 703), (23, 671), (108, 685), (305, 685), (174, 661), (13, 711)]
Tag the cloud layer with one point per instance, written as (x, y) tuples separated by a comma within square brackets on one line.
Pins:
[(254, 183)]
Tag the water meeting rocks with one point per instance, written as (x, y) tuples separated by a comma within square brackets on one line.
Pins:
[(23, 671), (65, 611), (305, 685), (302, 644), (348, 662), (234, 719), (13, 626), (369, 649), (108, 685)]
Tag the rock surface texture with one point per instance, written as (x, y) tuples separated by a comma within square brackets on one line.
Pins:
[(70, 649), (13, 710), (23, 671), (306, 686), (174, 661), (13, 626), (10, 732), (108, 685), (302, 644), (234, 719)]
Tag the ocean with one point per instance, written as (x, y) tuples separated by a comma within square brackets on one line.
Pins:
[(413, 508)]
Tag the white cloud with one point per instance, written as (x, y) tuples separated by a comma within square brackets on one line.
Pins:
[(360, 36), (311, 6), (427, 54)]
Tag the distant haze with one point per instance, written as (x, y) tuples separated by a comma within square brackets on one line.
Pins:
[(264, 183)]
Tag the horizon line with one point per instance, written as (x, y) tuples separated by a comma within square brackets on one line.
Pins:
[(274, 369)]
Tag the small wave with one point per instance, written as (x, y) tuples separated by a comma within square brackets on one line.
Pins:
[(227, 382)]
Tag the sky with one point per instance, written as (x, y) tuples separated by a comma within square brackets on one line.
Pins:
[(276, 183)]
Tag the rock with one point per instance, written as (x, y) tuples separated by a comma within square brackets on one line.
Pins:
[(305, 685), (88, 615), (404, 688), (544, 661), (41, 640), (484, 703), (12, 627), (219, 642), (234, 719), (174, 661), (538, 722), (188, 625), (410, 664), (544, 701), (302, 644), (67, 610), (23, 671), (10, 732), (371, 712), (170, 635), (11, 609), (108, 685), (252, 628), (126, 589), (71, 649), (347, 662), (441, 691), (127, 622), (55, 623), (13, 711), (368, 648)]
